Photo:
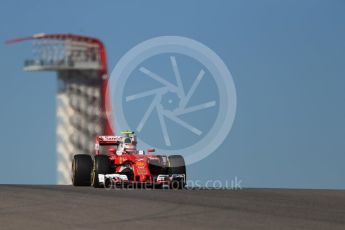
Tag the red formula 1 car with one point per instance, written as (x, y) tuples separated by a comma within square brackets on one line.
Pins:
[(118, 162)]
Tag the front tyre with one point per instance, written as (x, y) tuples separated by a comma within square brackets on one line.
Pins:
[(177, 166), (101, 165), (81, 170)]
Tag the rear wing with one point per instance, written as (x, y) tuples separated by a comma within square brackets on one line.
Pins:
[(106, 140)]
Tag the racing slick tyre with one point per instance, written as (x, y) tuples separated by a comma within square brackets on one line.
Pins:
[(101, 165), (177, 166), (81, 170), (157, 167)]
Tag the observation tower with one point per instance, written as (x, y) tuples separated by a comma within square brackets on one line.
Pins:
[(81, 100)]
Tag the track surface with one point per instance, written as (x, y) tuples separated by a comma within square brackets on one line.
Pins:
[(66, 207)]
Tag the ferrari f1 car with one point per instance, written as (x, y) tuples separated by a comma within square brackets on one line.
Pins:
[(117, 162)]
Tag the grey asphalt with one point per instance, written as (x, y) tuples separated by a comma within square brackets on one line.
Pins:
[(66, 207)]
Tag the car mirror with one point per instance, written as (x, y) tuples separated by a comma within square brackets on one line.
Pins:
[(112, 150), (151, 150)]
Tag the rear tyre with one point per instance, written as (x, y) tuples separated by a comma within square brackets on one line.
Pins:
[(101, 165), (157, 167), (177, 166), (81, 170)]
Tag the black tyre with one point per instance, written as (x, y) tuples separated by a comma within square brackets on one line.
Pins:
[(177, 166), (157, 167), (101, 165), (81, 170)]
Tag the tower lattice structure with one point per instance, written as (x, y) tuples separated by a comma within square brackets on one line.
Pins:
[(81, 100)]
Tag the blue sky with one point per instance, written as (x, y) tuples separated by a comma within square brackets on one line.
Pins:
[(287, 61)]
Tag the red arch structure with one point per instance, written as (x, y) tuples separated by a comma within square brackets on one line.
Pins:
[(82, 100)]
